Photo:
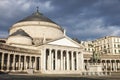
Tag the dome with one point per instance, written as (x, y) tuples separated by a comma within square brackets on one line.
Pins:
[(19, 37), (37, 16), (37, 26)]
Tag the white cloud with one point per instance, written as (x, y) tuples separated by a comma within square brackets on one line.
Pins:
[(76, 25), (10, 8), (25, 6), (48, 5), (92, 28), (114, 30), (43, 6)]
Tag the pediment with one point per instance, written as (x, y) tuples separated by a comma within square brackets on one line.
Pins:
[(65, 42)]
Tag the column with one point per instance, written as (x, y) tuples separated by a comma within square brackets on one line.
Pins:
[(2, 62), (61, 63), (88, 64), (47, 61), (25, 63), (64, 55), (13, 65), (76, 60), (56, 59), (116, 65), (68, 65), (39, 63), (8, 62), (19, 62), (111, 65), (79, 62), (30, 63), (119, 65), (51, 61), (44, 65), (72, 60), (105, 65)]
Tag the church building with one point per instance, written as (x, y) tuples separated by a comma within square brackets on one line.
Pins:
[(36, 42)]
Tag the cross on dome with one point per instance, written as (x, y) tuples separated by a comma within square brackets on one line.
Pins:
[(37, 9)]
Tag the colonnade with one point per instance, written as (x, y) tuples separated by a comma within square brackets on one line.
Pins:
[(107, 65), (18, 62), (62, 60), (111, 65)]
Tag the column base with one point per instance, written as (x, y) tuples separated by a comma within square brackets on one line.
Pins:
[(35, 70), (12, 70), (7, 70), (2, 70)]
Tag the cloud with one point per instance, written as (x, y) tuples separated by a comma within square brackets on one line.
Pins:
[(11, 8), (12, 11), (83, 19), (48, 5), (98, 19), (89, 29)]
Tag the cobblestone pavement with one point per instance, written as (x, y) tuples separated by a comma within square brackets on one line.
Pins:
[(56, 77)]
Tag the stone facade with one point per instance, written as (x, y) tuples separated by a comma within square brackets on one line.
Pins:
[(109, 50), (37, 43), (39, 29)]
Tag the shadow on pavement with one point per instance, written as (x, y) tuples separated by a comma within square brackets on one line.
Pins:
[(27, 77)]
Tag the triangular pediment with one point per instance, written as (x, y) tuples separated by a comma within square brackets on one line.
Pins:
[(65, 42)]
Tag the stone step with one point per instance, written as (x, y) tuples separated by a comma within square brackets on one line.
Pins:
[(115, 73)]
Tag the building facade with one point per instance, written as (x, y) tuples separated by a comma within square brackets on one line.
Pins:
[(38, 43), (108, 49)]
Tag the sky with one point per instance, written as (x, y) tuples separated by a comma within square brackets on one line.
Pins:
[(82, 19)]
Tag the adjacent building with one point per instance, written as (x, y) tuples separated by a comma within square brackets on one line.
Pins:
[(108, 49)]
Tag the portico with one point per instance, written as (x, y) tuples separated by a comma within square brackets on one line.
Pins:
[(15, 61), (62, 59)]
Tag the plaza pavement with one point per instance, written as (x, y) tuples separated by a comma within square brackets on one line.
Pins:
[(13, 76)]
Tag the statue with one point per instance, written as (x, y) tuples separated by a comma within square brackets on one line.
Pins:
[(96, 57)]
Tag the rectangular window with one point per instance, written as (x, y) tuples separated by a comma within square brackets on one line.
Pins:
[(118, 46), (108, 45), (114, 46), (115, 51)]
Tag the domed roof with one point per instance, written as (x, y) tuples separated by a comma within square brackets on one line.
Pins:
[(37, 16), (20, 32)]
